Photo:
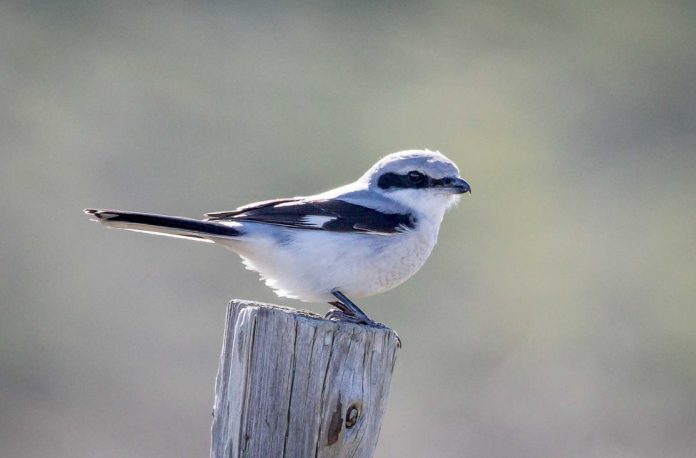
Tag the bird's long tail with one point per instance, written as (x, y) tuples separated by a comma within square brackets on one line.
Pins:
[(171, 226)]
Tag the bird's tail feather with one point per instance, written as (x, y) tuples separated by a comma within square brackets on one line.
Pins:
[(172, 226)]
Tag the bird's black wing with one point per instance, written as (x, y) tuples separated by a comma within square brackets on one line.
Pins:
[(328, 215)]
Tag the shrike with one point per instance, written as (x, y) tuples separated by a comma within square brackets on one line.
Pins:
[(353, 241)]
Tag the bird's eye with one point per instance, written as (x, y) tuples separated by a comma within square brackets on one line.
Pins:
[(415, 176)]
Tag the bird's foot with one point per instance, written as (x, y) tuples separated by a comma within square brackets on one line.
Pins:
[(338, 315)]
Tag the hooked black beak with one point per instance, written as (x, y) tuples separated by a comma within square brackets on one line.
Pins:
[(458, 186)]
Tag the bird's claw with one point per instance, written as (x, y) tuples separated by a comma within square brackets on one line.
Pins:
[(337, 315)]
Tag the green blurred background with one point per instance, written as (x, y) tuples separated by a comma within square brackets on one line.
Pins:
[(557, 315)]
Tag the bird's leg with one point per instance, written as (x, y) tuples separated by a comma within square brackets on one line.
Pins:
[(349, 310), (347, 313)]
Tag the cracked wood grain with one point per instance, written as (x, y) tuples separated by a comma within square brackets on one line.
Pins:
[(288, 380)]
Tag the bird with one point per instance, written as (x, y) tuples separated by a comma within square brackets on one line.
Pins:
[(348, 243)]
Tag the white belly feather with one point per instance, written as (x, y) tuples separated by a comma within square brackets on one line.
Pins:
[(358, 265)]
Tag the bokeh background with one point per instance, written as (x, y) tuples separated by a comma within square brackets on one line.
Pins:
[(557, 315)]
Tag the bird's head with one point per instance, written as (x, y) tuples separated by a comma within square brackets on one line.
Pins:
[(424, 180)]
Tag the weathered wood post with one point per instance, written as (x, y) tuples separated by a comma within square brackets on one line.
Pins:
[(293, 384)]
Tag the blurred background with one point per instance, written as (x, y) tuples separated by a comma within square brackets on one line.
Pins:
[(557, 315)]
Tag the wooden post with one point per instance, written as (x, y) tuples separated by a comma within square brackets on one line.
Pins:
[(293, 384)]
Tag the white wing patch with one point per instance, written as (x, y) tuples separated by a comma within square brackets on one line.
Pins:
[(316, 220)]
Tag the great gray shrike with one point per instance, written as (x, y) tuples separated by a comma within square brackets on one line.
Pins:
[(353, 241)]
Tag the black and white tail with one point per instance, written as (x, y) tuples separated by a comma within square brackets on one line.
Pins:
[(171, 226)]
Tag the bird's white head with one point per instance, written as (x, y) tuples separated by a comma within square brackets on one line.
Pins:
[(426, 181)]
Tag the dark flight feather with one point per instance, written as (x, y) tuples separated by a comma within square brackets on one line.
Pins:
[(339, 215)]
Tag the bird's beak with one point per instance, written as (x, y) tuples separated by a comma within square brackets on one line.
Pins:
[(459, 186)]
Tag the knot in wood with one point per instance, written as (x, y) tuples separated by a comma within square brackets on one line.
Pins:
[(352, 416)]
